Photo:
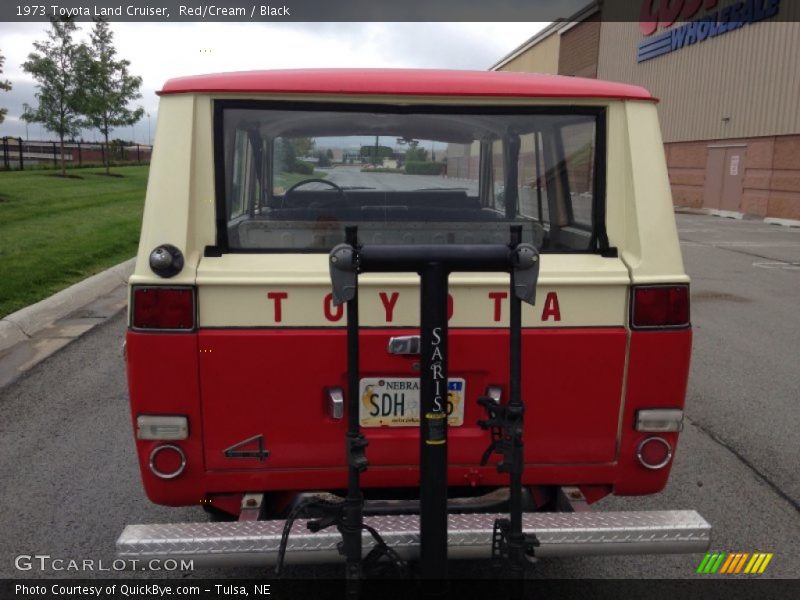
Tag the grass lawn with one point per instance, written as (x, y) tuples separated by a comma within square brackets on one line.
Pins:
[(285, 180), (55, 231)]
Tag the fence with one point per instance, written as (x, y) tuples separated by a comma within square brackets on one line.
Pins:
[(17, 153)]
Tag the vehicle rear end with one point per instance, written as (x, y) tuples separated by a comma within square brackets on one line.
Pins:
[(236, 352)]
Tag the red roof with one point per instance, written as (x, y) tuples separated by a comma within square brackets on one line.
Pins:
[(416, 82)]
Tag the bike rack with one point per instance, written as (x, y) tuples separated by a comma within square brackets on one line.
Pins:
[(434, 263)]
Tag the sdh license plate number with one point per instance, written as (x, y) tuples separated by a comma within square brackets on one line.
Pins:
[(395, 402)]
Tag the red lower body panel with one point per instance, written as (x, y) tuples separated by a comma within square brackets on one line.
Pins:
[(236, 384)]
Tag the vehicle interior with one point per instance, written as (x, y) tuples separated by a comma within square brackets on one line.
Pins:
[(537, 170)]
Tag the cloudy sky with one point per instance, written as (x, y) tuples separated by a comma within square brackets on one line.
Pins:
[(158, 51)]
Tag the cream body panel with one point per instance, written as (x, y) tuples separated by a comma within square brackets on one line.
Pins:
[(180, 204), (648, 241), (180, 210), (169, 202), (233, 292)]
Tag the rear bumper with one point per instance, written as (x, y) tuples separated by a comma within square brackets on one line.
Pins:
[(469, 537)]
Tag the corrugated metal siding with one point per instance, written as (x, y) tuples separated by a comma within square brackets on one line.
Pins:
[(750, 75), (541, 58)]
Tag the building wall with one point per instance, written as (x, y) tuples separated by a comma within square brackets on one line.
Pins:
[(729, 106), (770, 186), (735, 97), (745, 83), (541, 58), (579, 48)]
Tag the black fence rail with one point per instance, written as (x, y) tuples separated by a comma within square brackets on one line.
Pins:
[(17, 153)]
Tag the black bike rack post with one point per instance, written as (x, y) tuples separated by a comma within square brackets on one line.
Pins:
[(352, 514), (433, 263), (516, 538), (433, 421)]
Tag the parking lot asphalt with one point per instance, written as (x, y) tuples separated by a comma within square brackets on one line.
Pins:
[(71, 483), (354, 177)]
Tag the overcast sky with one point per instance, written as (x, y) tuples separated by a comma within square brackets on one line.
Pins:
[(159, 51)]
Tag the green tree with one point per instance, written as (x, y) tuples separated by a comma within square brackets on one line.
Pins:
[(285, 155), (374, 155), (323, 160), (5, 86), (54, 66), (107, 87), (416, 154), (303, 146), (409, 141)]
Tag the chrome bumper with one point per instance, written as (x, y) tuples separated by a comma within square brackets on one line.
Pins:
[(469, 537)]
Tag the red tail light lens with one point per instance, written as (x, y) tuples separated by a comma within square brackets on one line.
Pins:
[(165, 308), (660, 306)]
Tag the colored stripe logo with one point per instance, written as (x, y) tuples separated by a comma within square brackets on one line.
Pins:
[(734, 563)]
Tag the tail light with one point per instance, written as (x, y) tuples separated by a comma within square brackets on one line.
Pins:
[(658, 306), (163, 308)]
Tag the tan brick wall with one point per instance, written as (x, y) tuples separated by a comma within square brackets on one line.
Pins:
[(579, 49), (771, 183), (541, 58)]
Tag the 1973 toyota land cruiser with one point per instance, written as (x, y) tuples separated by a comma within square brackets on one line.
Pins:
[(383, 315)]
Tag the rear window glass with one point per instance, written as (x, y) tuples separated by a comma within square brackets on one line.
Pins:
[(294, 178)]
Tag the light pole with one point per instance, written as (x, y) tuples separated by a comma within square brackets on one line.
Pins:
[(149, 139)]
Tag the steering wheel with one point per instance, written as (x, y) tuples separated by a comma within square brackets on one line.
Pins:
[(313, 180)]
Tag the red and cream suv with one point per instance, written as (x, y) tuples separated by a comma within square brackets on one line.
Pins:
[(236, 350)]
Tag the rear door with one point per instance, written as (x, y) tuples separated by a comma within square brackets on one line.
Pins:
[(273, 346)]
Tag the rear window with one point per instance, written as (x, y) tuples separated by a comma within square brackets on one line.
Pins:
[(291, 178)]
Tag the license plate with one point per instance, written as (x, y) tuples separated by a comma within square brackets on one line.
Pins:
[(394, 402)]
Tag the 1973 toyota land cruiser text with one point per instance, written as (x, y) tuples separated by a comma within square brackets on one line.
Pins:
[(449, 303)]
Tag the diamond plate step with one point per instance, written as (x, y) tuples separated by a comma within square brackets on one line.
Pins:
[(469, 536)]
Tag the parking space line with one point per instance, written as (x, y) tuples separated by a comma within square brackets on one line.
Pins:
[(778, 264), (742, 244)]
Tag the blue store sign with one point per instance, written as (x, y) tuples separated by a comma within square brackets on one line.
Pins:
[(719, 22)]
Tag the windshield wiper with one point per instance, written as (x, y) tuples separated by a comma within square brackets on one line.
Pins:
[(356, 187)]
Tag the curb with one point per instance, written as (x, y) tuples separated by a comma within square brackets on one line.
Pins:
[(23, 324), (687, 210), (784, 222)]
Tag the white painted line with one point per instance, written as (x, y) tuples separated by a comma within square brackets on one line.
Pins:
[(759, 244), (742, 244), (778, 264)]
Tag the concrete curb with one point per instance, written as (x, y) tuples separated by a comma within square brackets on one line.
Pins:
[(728, 214), (686, 210), (784, 222), (24, 323)]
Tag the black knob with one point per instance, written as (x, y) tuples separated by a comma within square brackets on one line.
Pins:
[(166, 261)]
